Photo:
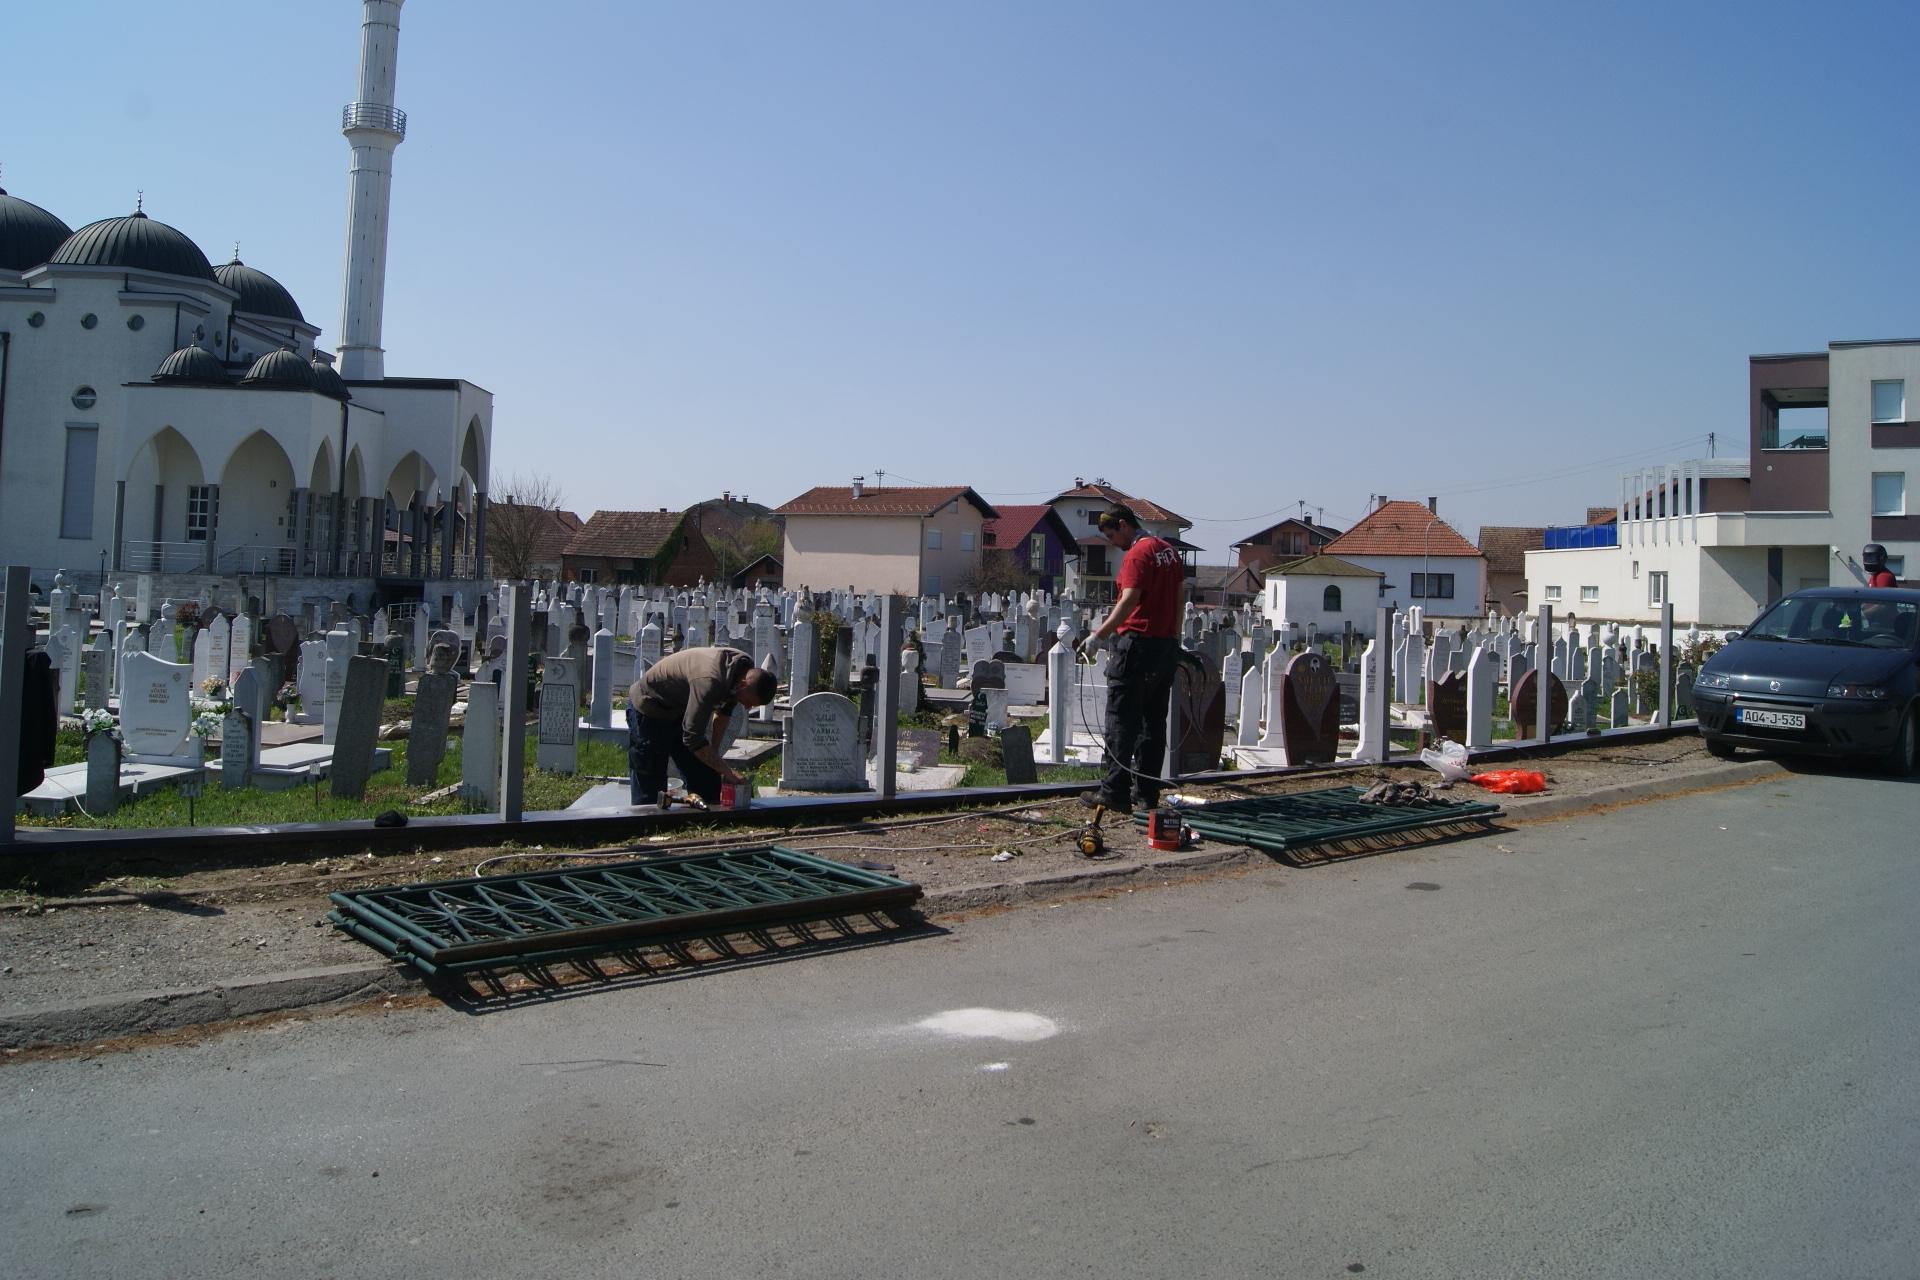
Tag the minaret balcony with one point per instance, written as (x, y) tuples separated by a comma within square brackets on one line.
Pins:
[(374, 115)]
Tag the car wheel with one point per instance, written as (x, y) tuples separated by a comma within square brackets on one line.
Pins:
[(1900, 758), (1719, 750)]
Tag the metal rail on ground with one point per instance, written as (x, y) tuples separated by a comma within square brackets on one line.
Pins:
[(456, 926), (1312, 826)]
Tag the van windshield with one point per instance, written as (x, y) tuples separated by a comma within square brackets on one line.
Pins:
[(1865, 619)]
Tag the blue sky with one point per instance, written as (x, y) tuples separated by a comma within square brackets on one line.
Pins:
[(1227, 255)]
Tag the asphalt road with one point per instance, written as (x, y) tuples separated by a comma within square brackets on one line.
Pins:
[(1675, 1040)]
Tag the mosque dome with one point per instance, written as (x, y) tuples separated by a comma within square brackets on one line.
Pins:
[(192, 364), (328, 382), (260, 294), (136, 242), (28, 233), (280, 368)]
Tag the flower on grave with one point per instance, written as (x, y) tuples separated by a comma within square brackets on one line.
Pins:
[(208, 707), (99, 720), (206, 725), (288, 698), (215, 688)]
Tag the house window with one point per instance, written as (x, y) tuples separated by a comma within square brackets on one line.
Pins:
[(933, 539), (1890, 400), (203, 511), (76, 503), (1889, 493), (1036, 550), (1330, 600), (1432, 586), (966, 539), (1656, 588), (1897, 566), (1553, 595), (1589, 595), (1636, 569), (933, 584), (588, 575)]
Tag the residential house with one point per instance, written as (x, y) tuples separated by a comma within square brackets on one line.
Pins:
[(1091, 577), (1323, 590), (1833, 441), (1035, 541), (1423, 559), (1224, 586), (1291, 539), (924, 540), (1505, 546), (766, 571), (643, 548)]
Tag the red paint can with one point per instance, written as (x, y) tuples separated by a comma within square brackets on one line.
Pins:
[(1164, 831), (736, 795)]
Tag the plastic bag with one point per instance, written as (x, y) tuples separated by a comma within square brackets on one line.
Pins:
[(1518, 782), (1450, 758)]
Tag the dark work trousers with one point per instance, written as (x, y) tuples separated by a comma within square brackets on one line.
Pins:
[(1139, 684), (650, 745)]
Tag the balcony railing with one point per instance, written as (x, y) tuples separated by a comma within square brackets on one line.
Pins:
[(1581, 537), (374, 115), (163, 557)]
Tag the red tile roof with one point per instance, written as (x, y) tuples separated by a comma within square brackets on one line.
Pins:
[(1016, 523), (636, 535), (549, 531), (838, 500), (1401, 529), (1506, 546), (1142, 507)]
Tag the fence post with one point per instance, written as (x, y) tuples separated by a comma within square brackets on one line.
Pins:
[(15, 636), (1543, 677), (513, 694)]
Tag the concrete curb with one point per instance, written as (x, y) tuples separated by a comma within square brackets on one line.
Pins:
[(144, 1013), (1546, 808)]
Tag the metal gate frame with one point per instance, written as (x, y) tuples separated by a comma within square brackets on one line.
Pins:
[(453, 926)]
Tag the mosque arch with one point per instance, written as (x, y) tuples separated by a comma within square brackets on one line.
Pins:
[(473, 453), (321, 473), (163, 481), (261, 526)]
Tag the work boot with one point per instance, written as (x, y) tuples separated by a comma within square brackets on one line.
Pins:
[(1095, 799)]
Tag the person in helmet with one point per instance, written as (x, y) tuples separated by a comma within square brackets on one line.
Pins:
[(1873, 558)]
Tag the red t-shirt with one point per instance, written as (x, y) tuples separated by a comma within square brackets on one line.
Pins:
[(1153, 566), (1883, 579)]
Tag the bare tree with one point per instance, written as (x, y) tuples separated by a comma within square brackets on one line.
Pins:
[(519, 519), (998, 572), (738, 545)]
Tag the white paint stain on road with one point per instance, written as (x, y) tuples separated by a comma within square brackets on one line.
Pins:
[(991, 1024)]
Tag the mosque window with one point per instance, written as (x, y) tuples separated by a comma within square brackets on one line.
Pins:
[(89, 320), (37, 319), (76, 505), (203, 511), (136, 323), (83, 397)]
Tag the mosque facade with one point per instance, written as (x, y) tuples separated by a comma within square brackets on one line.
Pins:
[(161, 415)]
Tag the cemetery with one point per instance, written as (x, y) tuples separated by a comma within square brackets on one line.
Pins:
[(335, 716)]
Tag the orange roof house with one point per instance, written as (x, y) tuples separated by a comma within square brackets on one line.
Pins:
[(1426, 561)]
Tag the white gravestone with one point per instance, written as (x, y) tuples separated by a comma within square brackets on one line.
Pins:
[(156, 708), (339, 649), (822, 748)]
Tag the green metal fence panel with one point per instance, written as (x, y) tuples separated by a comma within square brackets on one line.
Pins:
[(1290, 824), (454, 925)]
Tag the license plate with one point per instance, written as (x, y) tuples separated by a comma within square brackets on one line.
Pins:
[(1771, 719)]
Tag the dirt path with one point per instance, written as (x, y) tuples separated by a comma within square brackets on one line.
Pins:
[(128, 928)]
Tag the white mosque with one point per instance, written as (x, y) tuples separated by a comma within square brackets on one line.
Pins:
[(161, 415)]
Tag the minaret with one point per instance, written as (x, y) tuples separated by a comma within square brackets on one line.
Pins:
[(374, 127)]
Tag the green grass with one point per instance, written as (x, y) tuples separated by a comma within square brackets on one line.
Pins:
[(165, 807)]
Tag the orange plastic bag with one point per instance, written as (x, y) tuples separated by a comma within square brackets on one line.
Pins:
[(1517, 782)]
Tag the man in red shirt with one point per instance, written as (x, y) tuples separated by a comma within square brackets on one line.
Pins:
[(1146, 621), (1873, 558)]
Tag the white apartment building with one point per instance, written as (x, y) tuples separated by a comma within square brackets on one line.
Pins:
[(1833, 437)]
